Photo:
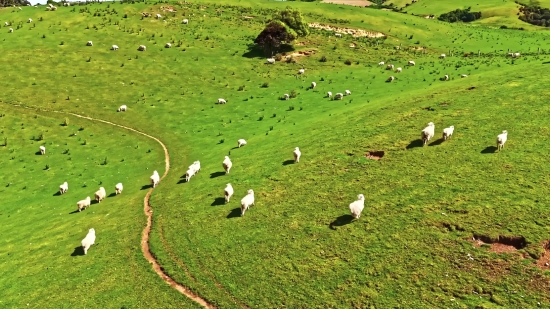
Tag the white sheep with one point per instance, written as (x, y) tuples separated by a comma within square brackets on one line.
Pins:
[(286, 96), (446, 77), (357, 207), (6, 24), (63, 188), (313, 85), (114, 47), (66, 4), (228, 192), (412, 63), (348, 92), (122, 108), (30, 20), (338, 35), (196, 166), (100, 194), (10, 30), (297, 154), (399, 70), (329, 94), (89, 43), (155, 178), (463, 76), (88, 241), (227, 164), (221, 101), (158, 16), (381, 63), (301, 71), (241, 142), (428, 133), (42, 150), (501, 139), (168, 45), (118, 188), (390, 79), (185, 21), (270, 60), (190, 173), (448, 132), (390, 67), (516, 55), (83, 204), (442, 56), (247, 201), (338, 96), (142, 48)]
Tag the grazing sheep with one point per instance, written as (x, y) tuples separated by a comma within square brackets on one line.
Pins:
[(190, 173), (357, 207), (501, 139), (158, 16), (301, 71), (185, 21), (63, 188), (313, 85), (66, 4), (381, 63), (448, 132), (155, 178), (463, 76), (241, 142), (88, 241), (168, 45), (338, 35), (83, 204), (42, 150), (442, 56), (221, 101), (90, 43), (122, 108), (118, 188), (428, 133), (247, 201), (6, 24), (516, 55), (412, 63), (30, 20), (348, 92), (228, 192), (297, 154), (338, 96), (100, 194), (270, 60), (399, 70), (114, 47), (10, 30), (196, 166), (227, 164), (390, 67), (390, 79), (142, 48), (286, 96), (446, 77), (329, 94)]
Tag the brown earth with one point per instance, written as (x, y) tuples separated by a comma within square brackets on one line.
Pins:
[(354, 32), (348, 2)]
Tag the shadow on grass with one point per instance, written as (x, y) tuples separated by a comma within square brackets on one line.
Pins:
[(57, 193), (38, 153), (146, 187), (74, 212), (414, 144), (219, 201), (288, 162), (437, 142), (112, 194), (182, 181), (217, 174), (78, 251), (255, 52), (341, 221), (235, 213), (490, 149)]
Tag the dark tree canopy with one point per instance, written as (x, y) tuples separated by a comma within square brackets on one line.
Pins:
[(6, 3), (293, 19), (460, 15), (274, 34)]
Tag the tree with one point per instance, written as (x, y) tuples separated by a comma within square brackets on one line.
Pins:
[(293, 19), (274, 34), (6, 3)]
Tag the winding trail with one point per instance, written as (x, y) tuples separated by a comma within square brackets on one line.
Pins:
[(148, 212)]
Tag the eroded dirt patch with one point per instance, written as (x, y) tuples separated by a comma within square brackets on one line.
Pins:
[(375, 155), (544, 261), (504, 244), (353, 32), (348, 2)]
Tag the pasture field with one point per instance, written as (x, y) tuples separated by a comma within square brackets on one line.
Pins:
[(297, 247)]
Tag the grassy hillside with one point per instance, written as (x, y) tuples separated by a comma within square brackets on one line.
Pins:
[(297, 245)]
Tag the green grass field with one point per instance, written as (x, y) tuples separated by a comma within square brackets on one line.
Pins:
[(297, 247)]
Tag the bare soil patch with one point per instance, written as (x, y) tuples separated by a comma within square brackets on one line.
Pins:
[(504, 244), (353, 32), (375, 155), (544, 261), (299, 54), (349, 2)]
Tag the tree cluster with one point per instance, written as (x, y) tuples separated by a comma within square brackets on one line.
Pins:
[(535, 15), (284, 27), (6, 3), (460, 15)]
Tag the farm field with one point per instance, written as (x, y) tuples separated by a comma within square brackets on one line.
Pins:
[(451, 224)]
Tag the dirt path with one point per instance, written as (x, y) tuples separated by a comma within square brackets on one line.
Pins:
[(149, 213)]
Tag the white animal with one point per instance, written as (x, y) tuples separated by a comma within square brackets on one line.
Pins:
[(6, 24), (83, 204), (63, 188), (247, 201), (442, 56), (329, 94), (338, 96), (190, 173), (270, 60), (463, 75), (301, 71), (446, 77), (158, 16), (227, 164), (297, 154), (88, 241), (448, 132), (412, 63), (241, 142), (155, 178), (30, 20), (66, 4), (348, 92), (114, 47), (313, 85), (390, 79), (142, 48), (122, 108), (118, 188), (42, 150), (100, 194), (286, 96), (516, 55), (90, 43), (390, 67), (381, 63), (168, 45), (399, 70), (11, 30), (228, 192), (501, 139), (357, 207), (185, 21), (221, 101), (428, 133), (196, 166), (338, 35)]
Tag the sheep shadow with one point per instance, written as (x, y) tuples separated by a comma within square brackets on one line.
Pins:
[(288, 162), (182, 180), (57, 193), (38, 153), (235, 213), (437, 142), (489, 149), (145, 187), (341, 221), (415, 144), (78, 251), (218, 201), (112, 194), (216, 174), (74, 212)]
